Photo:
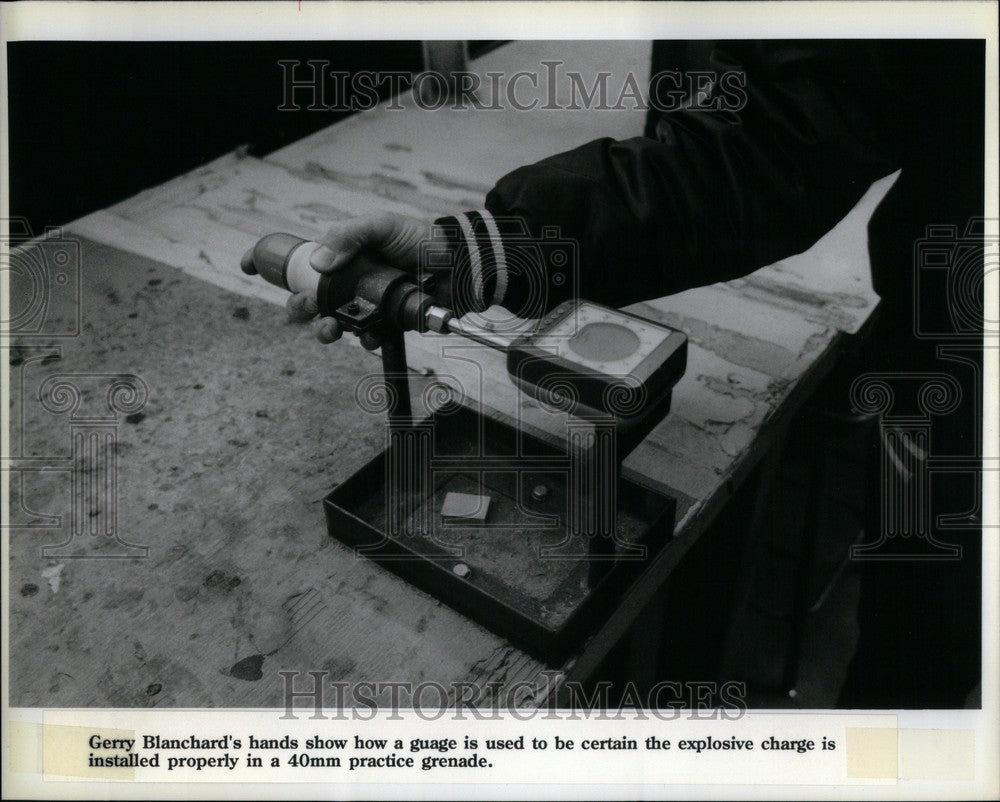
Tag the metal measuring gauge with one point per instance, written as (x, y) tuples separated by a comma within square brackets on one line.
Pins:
[(592, 360)]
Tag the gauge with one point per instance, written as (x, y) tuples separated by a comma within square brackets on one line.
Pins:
[(589, 358)]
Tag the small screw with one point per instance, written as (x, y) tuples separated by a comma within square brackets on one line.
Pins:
[(540, 493), (353, 308), (461, 570)]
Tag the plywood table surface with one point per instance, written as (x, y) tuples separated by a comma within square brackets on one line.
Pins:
[(240, 581)]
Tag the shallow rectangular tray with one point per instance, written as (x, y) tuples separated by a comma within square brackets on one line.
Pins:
[(520, 573)]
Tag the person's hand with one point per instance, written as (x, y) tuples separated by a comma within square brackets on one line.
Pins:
[(389, 238)]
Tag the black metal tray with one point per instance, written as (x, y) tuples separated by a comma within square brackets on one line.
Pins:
[(521, 572)]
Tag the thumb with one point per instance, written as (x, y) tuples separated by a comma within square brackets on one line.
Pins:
[(393, 236), (344, 239)]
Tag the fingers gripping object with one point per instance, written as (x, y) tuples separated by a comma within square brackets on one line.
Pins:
[(364, 297)]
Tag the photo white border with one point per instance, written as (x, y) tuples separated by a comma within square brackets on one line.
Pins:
[(558, 20)]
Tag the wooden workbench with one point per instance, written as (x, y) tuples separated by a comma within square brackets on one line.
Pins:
[(249, 422)]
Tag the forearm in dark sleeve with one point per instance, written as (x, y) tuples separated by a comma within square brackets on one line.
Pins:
[(720, 193)]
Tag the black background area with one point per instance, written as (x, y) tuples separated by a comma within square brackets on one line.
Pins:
[(91, 123)]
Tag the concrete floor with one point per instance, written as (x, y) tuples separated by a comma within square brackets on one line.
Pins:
[(161, 623)]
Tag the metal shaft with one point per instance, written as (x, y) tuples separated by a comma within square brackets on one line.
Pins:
[(488, 338), (396, 377)]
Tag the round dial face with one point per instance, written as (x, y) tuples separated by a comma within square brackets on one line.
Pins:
[(602, 340)]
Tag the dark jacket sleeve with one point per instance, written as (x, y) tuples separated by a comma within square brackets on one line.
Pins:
[(779, 144)]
